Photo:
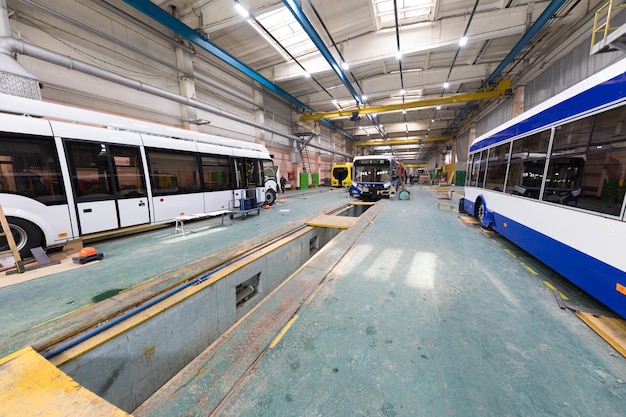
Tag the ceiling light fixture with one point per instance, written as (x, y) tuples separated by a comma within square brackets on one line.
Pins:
[(306, 74), (463, 41), (446, 84), (345, 66), (399, 55), (364, 97), (241, 10)]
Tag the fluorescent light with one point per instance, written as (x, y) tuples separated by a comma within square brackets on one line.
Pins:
[(399, 55), (242, 10), (364, 97), (306, 74), (345, 66), (446, 84), (438, 107), (403, 92), (463, 41)]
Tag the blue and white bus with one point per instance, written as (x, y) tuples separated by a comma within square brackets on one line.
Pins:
[(376, 176), (66, 172), (553, 179)]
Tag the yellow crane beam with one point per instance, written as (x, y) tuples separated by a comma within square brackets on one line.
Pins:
[(400, 141), (503, 89)]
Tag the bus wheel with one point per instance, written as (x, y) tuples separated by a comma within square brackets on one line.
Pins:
[(25, 234), (480, 211), (270, 197)]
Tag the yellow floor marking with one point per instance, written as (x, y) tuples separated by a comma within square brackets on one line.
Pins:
[(496, 242), (313, 294), (553, 288), (137, 285), (510, 253), (62, 315), (280, 334), (529, 269)]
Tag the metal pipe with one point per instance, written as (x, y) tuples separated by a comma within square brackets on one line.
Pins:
[(9, 46)]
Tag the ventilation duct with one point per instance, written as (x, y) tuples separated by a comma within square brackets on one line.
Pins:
[(15, 80)]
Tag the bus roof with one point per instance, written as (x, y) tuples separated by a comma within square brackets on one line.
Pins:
[(594, 92), (54, 111)]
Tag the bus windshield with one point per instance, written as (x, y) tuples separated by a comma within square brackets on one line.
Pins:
[(372, 170)]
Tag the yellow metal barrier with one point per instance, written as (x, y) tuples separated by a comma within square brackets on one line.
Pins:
[(602, 21)]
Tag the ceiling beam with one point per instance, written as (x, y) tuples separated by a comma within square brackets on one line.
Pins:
[(381, 45), (503, 89), (401, 141)]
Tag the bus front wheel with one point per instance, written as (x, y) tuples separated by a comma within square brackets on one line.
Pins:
[(25, 234), (480, 211), (270, 197)]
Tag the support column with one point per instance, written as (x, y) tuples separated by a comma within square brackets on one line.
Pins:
[(518, 101), (186, 87), (259, 117)]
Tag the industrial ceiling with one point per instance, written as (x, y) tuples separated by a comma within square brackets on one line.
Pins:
[(392, 75)]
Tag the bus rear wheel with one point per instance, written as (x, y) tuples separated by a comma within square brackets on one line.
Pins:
[(270, 197), (25, 234)]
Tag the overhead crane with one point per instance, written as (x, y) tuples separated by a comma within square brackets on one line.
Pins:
[(502, 89), (400, 141)]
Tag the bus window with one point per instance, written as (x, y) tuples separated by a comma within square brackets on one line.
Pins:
[(30, 166), (603, 182), (90, 173), (480, 167), (216, 173), (496, 170), (173, 172), (528, 160), (129, 177)]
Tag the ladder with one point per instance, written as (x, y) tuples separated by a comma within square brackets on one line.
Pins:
[(304, 151), (6, 232)]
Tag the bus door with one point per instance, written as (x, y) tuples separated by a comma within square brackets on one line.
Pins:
[(108, 185), (248, 191)]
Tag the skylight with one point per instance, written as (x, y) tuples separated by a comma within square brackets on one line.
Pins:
[(409, 11), (287, 31)]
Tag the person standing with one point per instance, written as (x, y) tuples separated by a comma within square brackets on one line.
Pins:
[(283, 181)]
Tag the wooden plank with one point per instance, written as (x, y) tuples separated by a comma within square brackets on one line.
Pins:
[(335, 222), (611, 329), (19, 265)]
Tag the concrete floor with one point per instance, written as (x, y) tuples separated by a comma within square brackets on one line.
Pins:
[(424, 315)]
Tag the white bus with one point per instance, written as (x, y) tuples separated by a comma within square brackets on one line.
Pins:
[(553, 180), (67, 172), (376, 176)]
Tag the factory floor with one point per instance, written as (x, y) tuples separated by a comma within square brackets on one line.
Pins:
[(42, 303), (423, 313)]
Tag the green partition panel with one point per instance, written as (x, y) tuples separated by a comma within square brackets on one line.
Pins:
[(316, 179), (459, 178), (304, 181)]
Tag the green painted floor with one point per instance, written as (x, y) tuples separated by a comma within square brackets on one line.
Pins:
[(424, 315)]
